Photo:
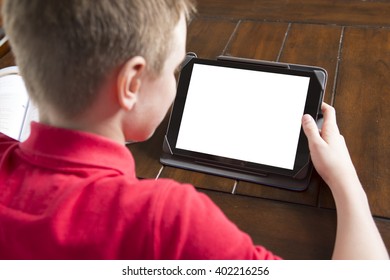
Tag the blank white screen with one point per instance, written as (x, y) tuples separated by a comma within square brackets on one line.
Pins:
[(243, 114)]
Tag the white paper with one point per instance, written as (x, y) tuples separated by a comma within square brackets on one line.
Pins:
[(16, 111), (13, 105)]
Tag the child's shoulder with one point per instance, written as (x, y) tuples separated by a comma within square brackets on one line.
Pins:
[(5, 143), (155, 188), (159, 195)]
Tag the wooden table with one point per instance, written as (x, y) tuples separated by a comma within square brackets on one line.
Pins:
[(351, 40)]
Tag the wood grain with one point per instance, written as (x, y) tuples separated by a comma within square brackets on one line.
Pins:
[(347, 12), (258, 40), (208, 37), (316, 45), (6, 59), (363, 110)]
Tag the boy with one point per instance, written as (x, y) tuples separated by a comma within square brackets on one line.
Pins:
[(101, 73)]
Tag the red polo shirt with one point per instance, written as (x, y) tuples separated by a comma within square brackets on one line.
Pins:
[(67, 194)]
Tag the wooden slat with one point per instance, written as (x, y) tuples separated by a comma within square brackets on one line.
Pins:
[(7, 59), (4, 49), (208, 37), (258, 40), (316, 45), (363, 110), (351, 12)]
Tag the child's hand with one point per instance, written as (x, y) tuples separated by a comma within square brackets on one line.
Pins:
[(355, 224), (328, 150)]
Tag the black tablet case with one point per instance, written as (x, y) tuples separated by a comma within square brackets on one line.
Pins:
[(297, 183)]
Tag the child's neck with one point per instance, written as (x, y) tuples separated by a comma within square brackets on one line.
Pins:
[(98, 120)]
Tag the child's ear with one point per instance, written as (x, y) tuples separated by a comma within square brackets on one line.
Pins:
[(129, 82)]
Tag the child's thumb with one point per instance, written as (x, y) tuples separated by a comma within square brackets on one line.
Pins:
[(310, 128)]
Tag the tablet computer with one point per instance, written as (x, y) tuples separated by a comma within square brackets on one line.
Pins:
[(241, 118)]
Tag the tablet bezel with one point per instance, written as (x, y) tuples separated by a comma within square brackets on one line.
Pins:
[(312, 106)]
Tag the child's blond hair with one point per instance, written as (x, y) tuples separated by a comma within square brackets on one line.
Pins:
[(66, 49)]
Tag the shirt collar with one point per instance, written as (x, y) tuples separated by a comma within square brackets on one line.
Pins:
[(79, 147)]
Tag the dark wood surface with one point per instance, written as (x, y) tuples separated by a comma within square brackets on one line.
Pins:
[(351, 40), (345, 12)]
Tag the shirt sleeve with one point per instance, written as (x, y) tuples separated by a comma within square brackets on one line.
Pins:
[(190, 226)]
